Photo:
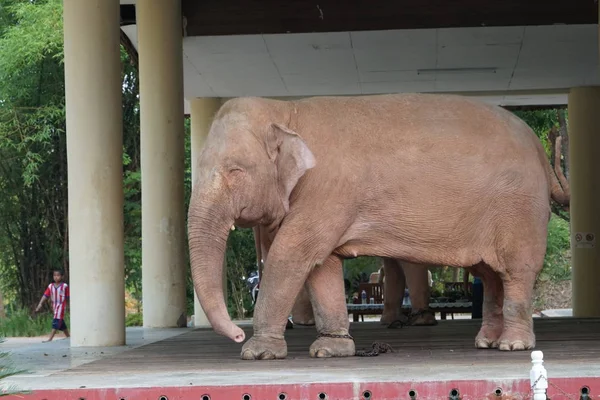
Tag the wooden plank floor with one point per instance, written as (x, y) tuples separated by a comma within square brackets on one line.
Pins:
[(570, 346)]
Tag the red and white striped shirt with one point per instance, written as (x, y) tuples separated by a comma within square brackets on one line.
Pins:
[(59, 294)]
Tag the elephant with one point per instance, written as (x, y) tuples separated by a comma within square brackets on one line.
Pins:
[(435, 180), (398, 274)]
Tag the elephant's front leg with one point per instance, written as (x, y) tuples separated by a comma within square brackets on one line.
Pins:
[(287, 267), (302, 313), (493, 300), (326, 289)]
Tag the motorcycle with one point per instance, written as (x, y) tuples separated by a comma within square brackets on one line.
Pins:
[(253, 283)]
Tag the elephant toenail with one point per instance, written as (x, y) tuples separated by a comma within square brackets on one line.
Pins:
[(518, 345), (323, 353), (482, 344), (267, 355)]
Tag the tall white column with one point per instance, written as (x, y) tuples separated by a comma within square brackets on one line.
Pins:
[(160, 48), (584, 147), (202, 111), (95, 167)]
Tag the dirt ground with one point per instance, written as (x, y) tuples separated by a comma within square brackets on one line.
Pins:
[(552, 295)]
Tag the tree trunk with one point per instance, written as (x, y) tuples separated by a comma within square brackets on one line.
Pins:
[(564, 134), (130, 49), (455, 275), (552, 135), (2, 311)]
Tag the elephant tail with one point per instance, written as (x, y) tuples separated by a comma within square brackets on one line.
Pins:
[(559, 185)]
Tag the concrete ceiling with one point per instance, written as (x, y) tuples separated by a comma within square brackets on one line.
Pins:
[(529, 65)]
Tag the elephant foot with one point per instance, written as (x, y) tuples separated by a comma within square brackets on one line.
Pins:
[(422, 318), (488, 337), (516, 340), (389, 317), (304, 324), (327, 346), (308, 322), (264, 348)]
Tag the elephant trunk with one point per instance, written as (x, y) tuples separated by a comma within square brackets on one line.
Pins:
[(208, 228)]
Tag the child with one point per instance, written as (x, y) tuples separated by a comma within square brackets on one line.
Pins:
[(58, 292)]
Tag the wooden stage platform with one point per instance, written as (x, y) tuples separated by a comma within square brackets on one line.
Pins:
[(429, 362)]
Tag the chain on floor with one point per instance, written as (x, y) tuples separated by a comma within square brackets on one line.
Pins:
[(376, 349)]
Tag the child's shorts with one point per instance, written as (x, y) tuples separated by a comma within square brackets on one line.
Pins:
[(59, 324)]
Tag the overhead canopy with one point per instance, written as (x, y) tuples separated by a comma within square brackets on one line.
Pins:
[(230, 53)]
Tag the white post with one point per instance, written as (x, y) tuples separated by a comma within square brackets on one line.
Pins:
[(538, 376)]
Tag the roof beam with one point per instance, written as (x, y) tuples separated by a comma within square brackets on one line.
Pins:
[(127, 14), (243, 17)]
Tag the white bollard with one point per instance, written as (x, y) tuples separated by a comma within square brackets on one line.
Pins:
[(538, 376)]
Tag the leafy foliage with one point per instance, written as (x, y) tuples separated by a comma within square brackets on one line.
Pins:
[(132, 180), (21, 323), (134, 319), (541, 121), (33, 180), (557, 264), (358, 270), (241, 260)]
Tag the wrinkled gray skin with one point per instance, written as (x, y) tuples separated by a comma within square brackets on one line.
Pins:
[(436, 180)]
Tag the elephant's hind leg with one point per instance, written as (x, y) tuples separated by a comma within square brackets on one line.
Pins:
[(393, 292), (417, 280), (517, 309), (493, 299), (326, 288), (302, 313), (518, 281)]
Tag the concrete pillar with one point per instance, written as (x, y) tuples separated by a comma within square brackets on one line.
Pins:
[(584, 146), (202, 111), (160, 48), (95, 168)]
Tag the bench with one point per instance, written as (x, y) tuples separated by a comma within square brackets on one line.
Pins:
[(375, 291), (360, 310)]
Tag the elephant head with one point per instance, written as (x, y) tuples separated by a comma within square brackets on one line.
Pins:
[(251, 162)]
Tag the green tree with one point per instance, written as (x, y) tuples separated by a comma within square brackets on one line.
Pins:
[(549, 125), (33, 168), (241, 260), (33, 180), (132, 177)]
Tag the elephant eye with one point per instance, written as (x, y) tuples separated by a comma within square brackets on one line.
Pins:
[(235, 169)]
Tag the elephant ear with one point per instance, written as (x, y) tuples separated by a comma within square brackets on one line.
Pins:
[(292, 158)]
